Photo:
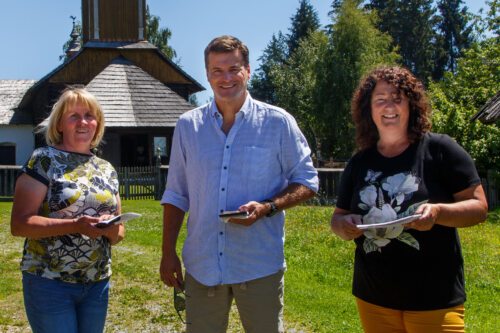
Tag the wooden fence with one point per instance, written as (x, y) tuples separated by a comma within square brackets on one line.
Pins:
[(149, 183), (144, 182), (8, 176)]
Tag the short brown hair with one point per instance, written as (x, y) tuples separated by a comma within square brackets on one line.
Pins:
[(227, 43), (69, 98), (420, 110)]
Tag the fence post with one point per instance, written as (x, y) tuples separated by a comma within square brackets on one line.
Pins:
[(492, 178)]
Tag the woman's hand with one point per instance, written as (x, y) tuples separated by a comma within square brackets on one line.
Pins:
[(344, 223), (86, 226), (430, 214), (114, 232)]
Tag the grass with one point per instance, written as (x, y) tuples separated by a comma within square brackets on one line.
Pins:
[(317, 282)]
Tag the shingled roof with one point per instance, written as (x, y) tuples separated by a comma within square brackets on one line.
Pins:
[(490, 112), (131, 97), (11, 94)]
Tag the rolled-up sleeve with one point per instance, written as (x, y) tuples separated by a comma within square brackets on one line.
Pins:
[(176, 191), (296, 156)]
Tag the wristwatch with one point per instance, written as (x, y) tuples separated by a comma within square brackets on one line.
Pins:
[(272, 204)]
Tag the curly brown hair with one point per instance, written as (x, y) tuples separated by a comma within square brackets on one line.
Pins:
[(420, 109)]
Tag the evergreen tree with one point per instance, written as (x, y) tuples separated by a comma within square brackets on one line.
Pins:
[(304, 22), (411, 25), (280, 48), (275, 54), (455, 33)]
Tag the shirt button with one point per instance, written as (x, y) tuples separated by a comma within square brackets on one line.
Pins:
[(221, 233), (222, 210), (225, 167), (223, 189), (220, 253), (227, 147)]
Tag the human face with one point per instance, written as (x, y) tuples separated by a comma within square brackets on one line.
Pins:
[(77, 126), (390, 109), (228, 76)]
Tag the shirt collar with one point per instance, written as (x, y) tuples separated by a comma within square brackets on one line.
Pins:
[(246, 108)]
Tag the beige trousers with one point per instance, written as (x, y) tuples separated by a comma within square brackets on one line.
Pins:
[(259, 303)]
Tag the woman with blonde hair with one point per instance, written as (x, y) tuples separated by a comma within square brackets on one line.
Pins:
[(63, 192)]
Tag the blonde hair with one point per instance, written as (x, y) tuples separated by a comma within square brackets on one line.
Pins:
[(68, 99)]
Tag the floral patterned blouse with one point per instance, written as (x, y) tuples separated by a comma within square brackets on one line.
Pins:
[(78, 184)]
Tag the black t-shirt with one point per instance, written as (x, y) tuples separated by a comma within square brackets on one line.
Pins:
[(400, 268)]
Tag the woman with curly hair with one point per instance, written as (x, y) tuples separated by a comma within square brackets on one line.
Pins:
[(408, 275)]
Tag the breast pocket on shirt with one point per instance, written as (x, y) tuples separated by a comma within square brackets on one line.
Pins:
[(259, 169)]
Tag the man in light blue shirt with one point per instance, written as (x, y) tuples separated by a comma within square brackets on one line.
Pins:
[(234, 153)]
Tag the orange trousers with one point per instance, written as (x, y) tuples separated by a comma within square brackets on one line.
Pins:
[(378, 319)]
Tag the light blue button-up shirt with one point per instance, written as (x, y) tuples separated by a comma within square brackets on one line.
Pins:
[(210, 172)]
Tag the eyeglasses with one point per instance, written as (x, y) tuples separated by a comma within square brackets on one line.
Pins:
[(180, 303)]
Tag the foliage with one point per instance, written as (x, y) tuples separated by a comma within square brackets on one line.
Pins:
[(316, 82), (461, 94), (455, 35), (274, 55), (355, 47), (317, 281), (304, 22), (280, 49), (296, 82), (411, 25), (193, 100), (491, 23), (159, 36)]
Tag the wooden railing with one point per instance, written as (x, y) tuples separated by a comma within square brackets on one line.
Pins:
[(8, 176), (149, 183)]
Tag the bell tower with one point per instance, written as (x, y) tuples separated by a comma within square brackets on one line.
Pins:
[(113, 20)]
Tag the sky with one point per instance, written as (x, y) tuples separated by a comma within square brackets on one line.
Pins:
[(34, 31)]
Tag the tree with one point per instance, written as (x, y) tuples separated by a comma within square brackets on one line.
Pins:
[(274, 55), (461, 94), (159, 36), (280, 48), (411, 25), (304, 22), (356, 46), (455, 35), (296, 82)]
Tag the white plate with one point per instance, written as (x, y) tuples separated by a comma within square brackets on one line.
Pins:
[(403, 220)]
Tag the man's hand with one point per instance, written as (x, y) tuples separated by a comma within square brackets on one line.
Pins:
[(171, 271), (256, 211)]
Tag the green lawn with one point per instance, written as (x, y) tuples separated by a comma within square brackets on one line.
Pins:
[(317, 282)]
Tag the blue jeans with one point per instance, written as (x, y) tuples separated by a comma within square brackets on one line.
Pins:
[(55, 306)]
